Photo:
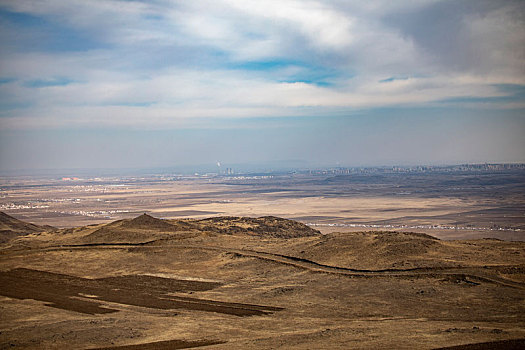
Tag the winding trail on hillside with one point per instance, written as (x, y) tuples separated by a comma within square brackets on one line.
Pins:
[(458, 273)]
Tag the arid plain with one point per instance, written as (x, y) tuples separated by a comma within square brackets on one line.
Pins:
[(107, 275), (445, 205)]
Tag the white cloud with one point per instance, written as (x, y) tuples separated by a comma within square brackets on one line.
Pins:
[(160, 63), (321, 24)]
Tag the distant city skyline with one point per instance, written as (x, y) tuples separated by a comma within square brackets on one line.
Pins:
[(145, 84), (237, 171)]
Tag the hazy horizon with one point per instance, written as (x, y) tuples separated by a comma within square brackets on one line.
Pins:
[(157, 84), (278, 167)]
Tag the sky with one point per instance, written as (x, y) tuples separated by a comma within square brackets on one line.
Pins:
[(138, 84)]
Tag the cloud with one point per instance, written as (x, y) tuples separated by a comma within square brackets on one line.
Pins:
[(479, 37), (160, 63)]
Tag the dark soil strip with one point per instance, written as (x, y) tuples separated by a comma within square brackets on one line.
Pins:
[(513, 344), (68, 292), (16, 284), (124, 244), (160, 283), (166, 345)]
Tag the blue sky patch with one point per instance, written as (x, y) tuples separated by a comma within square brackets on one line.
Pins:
[(388, 80), (39, 33), (132, 104), (513, 93), (264, 65), (6, 80), (42, 83)]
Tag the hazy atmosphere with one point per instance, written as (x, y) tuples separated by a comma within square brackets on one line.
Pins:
[(306, 83), (262, 174)]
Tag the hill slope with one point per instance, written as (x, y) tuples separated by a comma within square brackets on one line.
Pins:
[(146, 228), (11, 227), (140, 229), (256, 283)]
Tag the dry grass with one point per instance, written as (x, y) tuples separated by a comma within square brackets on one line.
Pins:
[(293, 292)]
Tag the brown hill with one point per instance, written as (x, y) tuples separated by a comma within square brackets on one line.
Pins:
[(402, 250), (270, 226), (146, 228), (141, 229), (147, 222), (11, 227)]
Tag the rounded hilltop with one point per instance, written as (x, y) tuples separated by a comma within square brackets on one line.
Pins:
[(271, 226)]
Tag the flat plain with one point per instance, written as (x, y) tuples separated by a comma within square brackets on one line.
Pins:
[(447, 205)]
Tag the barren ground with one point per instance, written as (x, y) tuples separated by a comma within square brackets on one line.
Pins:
[(229, 283)]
